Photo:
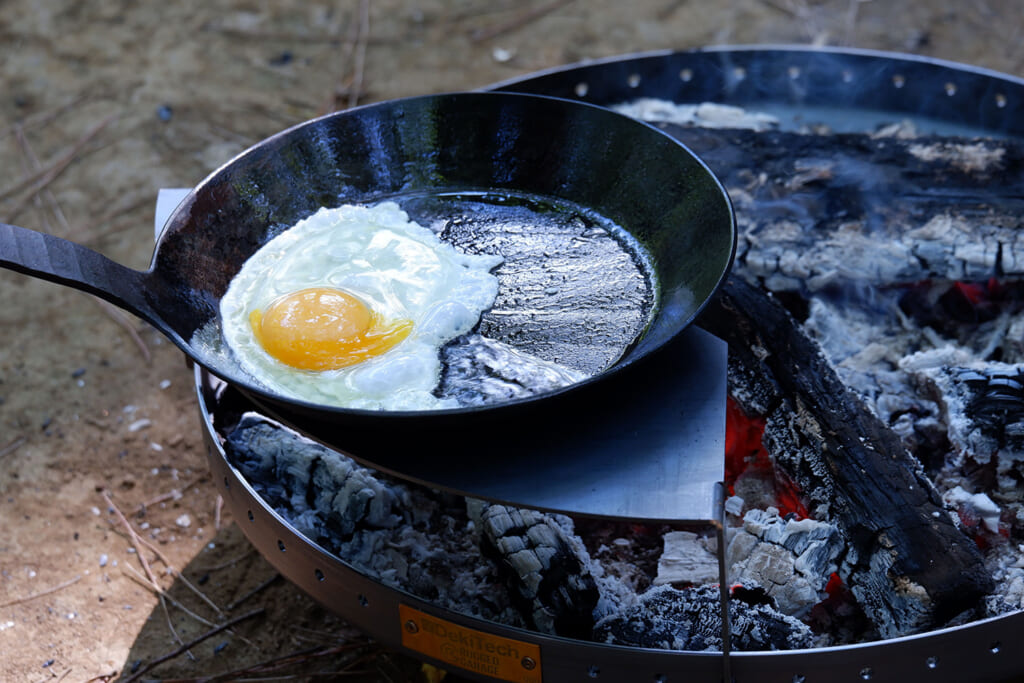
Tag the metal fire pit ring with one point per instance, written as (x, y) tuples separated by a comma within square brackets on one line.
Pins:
[(848, 90), (845, 89), (980, 651)]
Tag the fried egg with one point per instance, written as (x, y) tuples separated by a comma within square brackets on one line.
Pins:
[(350, 307)]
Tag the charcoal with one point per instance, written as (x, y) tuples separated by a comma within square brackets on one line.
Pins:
[(671, 619), (549, 568), (793, 559)]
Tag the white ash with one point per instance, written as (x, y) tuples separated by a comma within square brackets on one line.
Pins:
[(688, 559), (704, 115), (792, 559), (326, 490), (976, 504), (1009, 572), (620, 576), (672, 619), (970, 158)]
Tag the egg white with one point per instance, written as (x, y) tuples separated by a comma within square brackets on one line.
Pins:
[(401, 270)]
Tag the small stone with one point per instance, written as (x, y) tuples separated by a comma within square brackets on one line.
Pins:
[(502, 55), (184, 521), (734, 505)]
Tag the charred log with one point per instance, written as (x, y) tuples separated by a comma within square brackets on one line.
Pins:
[(817, 210), (907, 563)]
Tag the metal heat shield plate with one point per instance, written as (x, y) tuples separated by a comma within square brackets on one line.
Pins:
[(657, 454)]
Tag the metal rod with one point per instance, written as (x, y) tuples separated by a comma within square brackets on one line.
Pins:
[(723, 581)]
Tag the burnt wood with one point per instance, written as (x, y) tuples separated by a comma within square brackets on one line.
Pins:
[(907, 563), (814, 208)]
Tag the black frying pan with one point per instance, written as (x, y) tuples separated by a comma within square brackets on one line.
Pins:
[(617, 168)]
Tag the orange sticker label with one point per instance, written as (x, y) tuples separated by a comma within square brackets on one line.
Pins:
[(502, 658)]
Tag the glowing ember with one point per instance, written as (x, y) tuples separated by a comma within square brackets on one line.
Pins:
[(745, 455)]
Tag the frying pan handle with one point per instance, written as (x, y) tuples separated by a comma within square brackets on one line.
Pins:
[(67, 263)]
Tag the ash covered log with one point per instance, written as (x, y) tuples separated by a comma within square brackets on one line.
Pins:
[(671, 619), (906, 562), (814, 210), (982, 404)]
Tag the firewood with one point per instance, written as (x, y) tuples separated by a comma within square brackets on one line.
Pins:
[(907, 563)]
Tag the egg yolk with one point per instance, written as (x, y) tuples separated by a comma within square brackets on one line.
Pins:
[(322, 328)]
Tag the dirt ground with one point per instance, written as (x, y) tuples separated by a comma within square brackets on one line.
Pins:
[(102, 104)]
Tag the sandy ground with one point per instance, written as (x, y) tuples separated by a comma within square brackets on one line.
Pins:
[(102, 104)]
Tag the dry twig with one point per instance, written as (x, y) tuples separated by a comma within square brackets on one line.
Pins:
[(32, 164), (253, 592), (178, 575), (277, 663), (158, 591), (230, 563), (12, 445), (126, 322), (217, 506), (53, 678), (40, 594), (137, 542), (45, 175), (192, 643), (361, 39), (174, 494)]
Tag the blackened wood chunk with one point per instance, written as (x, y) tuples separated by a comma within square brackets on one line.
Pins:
[(671, 619), (547, 568), (907, 563)]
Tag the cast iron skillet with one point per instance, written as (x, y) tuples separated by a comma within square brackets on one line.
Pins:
[(624, 170)]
